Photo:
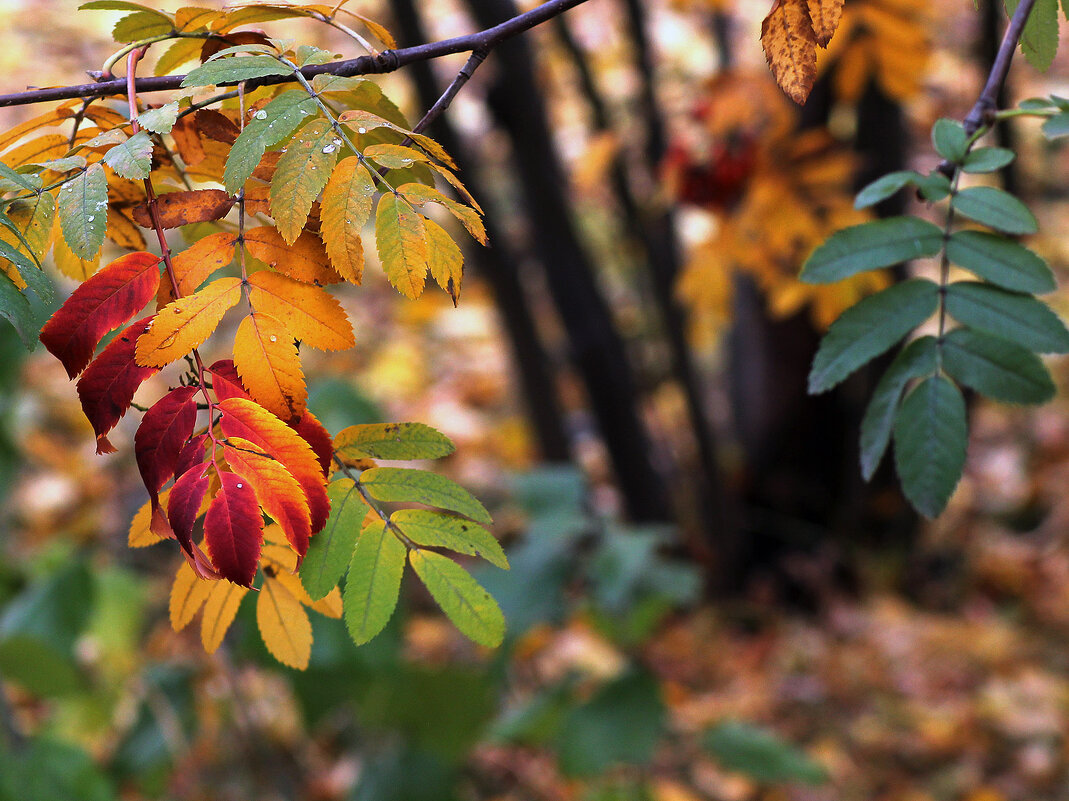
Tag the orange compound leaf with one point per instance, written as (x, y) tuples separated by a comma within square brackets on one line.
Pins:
[(315, 434), (183, 506), (159, 439), (186, 323), (194, 264), (269, 365), (791, 47), (234, 530), (183, 208), (248, 420), (106, 388), (305, 260), (825, 16), (310, 314), (105, 301), (345, 209), (279, 493)]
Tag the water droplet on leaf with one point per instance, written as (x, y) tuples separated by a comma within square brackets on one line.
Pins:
[(260, 115)]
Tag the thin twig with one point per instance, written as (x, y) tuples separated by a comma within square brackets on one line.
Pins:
[(987, 103), (386, 61)]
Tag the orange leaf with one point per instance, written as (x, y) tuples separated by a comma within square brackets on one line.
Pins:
[(220, 609), (310, 314), (185, 324), (276, 489), (791, 47), (122, 231), (825, 16), (188, 594), (284, 625), (401, 239), (304, 260), (345, 209), (248, 420), (269, 365), (194, 264), (182, 208)]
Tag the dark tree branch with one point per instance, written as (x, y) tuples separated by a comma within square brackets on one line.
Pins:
[(386, 61), (987, 103)]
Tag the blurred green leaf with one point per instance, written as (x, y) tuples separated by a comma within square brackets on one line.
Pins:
[(761, 755)]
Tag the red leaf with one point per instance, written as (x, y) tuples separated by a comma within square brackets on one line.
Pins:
[(225, 381), (248, 420), (192, 453), (107, 386), (159, 439), (183, 504), (105, 301), (313, 432), (233, 529), (278, 492)]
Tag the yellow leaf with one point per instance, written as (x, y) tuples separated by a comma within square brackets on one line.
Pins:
[(825, 15), (141, 533), (123, 231), (401, 239), (301, 174), (185, 324), (310, 314), (49, 119), (188, 594), (224, 598), (284, 624), (303, 259), (791, 47), (418, 194), (43, 148), (344, 211), (269, 365), (189, 18), (194, 264), (69, 264), (446, 260)]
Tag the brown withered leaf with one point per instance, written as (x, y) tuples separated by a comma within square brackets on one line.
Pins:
[(791, 47), (187, 141), (215, 125), (825, 16), (217, 43), (182, 208)]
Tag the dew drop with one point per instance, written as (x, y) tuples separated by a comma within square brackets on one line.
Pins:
[(239, 485), (89, 218), (361, 130), (283, 150), (274, 338), (407, 160), (330, 148), (336, 141), (260, 115)]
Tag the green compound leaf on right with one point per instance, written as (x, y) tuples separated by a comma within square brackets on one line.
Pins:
[(83, 207), (443, 530), (915, 360), (462, 598), (1018, 318), (132, 158), (987, 159), (392, 441), (870, 246), (996, 209), (996, 368), (1039, 39), (267, 127), (885, 186), (406, 484), (869, 328), (374, 582), (330, 551), (931, 435), (1056, 126), (1001, 261)]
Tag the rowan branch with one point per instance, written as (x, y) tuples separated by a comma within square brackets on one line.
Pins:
[(386, 61), (987, 103)]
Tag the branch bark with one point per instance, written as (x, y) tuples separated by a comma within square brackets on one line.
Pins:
[(386, 61), (987, 102)]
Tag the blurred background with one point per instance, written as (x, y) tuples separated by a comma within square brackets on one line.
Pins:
[(706, 601)]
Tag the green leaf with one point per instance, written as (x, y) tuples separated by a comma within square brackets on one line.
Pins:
[(885, 186), (373, 583), (159, 120), (996, 209), (401, 240), (988, 159), (1039, 40), (407, 485), (1018, 318), (950, 140), (16, 309), (132, 159), (83, 206), (26, 182), (996, 368), (1056, 126), (917, 359), (1000, 261), (934, 187), (869, 328), (141, 25), (1035, 104), (234, 69), (35, 278), (464, 602), (268, 126), (330, 550), (869, 246), (443, 530), (301, 174), (392, 441), (761, 755), (931, 435)]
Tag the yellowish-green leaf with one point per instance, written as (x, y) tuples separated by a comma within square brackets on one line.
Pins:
[(407, 485), (345, 208), (463, 600), (83, 206), (442, 530), (446, 260), (301, 174), (401, 239), (391, 441), (419, 194), (373, 583)]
